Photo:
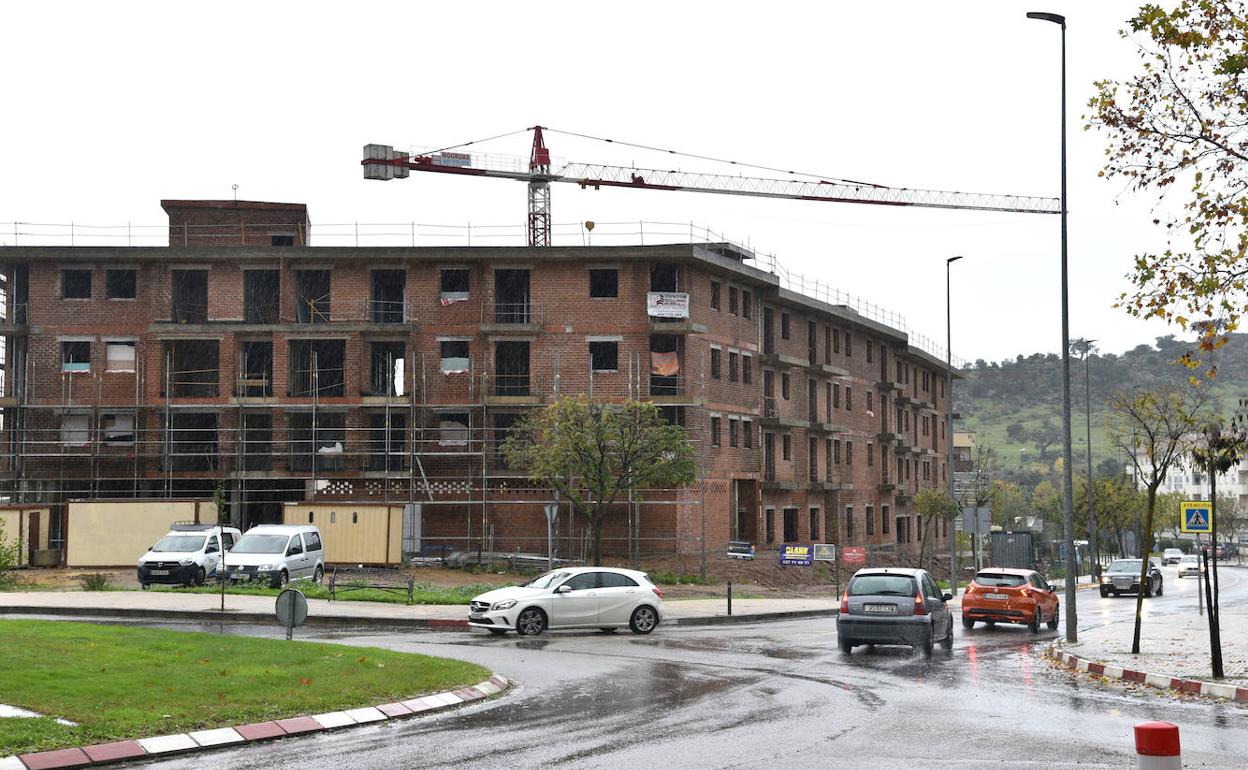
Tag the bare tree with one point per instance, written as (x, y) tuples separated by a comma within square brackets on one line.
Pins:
[(1152, 427)]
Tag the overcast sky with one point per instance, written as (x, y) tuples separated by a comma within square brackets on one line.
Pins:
[(110, 107)]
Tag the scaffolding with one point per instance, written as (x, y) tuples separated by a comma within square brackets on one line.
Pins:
[(430, 439)]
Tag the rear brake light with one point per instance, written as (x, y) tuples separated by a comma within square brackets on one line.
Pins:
[(657, 592), (970, 588), (1027, 592), (845, 604), (919, 609)]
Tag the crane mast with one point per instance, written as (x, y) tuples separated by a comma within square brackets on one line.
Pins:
[(383, 162)]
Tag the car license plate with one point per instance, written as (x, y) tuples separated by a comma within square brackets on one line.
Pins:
[(888, 608), (239, 576), (160, 572), (475, 615), (1123, 583), (1002, 597)]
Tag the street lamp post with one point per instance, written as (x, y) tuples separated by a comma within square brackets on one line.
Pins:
[(1068, 485), (1086, 346), (953, 537)]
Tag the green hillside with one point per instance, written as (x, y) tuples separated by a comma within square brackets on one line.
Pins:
[(1014, 406)]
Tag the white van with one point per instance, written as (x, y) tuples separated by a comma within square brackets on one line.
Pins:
[(186, 555), (278, 554)]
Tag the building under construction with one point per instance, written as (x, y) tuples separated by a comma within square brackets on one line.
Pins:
[(240, 357)]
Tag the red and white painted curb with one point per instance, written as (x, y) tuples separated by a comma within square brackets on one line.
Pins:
[(1160, 681), (202, 740)]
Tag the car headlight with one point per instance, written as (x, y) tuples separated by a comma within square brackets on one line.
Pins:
[(505, 605), (186, 562), (266, 567), (1106, 579)]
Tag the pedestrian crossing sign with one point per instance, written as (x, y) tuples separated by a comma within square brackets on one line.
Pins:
[(1196, 517)]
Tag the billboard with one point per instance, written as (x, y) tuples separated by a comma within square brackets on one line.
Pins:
[(796, 555), (667, 304), (825, 552), (854, 554)]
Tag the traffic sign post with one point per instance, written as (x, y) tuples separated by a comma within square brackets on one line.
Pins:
[(1196, 517), (552, 510), (292, 610)]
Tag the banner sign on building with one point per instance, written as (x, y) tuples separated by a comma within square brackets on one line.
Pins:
[(1196, 517), (825, 551), (854, 554), (795, 555), (667, 304), (457, 159)]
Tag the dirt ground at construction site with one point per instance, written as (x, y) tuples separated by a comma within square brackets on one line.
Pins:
[(749, 578)]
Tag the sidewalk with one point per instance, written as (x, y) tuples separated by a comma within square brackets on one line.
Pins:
[(1174, 651), (189, 606)]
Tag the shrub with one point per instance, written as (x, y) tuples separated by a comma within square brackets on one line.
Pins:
[(9, 555), (94, 581)]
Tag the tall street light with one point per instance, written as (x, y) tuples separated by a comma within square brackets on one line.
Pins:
[(953, 539), (1068, 486), (1084, 345)]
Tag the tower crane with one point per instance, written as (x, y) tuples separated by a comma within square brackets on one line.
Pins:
[(383, 162)]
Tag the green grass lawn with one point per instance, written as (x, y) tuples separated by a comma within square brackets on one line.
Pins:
[(424, 593), (120, 682)]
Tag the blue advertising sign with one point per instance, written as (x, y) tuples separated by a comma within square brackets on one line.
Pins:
[(796, 555)]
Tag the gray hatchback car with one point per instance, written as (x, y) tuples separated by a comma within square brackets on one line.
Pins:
[(893, 605)]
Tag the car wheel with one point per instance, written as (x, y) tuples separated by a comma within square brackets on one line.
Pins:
[(609, 630), (200, 575), (281, 580), (1057, 610), (968, 622), (1161, 584), (990, 623), (1104, 593), (497, 631), (1148, 588), (946, 644), (846, 644), (319, 575), (925, 646), (644, 620), (143, 586), (1034, 625), (530, 622)]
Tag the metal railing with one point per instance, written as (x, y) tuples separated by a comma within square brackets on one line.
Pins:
[(356, 234)]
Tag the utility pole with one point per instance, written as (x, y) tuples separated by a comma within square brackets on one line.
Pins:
[(1068, 485), (1086, 346), (953, 536)]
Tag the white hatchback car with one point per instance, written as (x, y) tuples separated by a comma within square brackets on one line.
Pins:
[(1190, 565), (577, 597)]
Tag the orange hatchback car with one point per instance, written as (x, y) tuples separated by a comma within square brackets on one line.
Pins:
[(999, 595)]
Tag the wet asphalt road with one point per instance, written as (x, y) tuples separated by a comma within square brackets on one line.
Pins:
[(774, 694)]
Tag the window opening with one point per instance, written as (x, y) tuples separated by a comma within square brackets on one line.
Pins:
[(316, 368), (386, 368), (387, 445), (511, 296), (190, 296), (257, 441), (454, 356), (261, 296), (119, 357), (118, 428), (192, 441), (663, 277), (511, 368), (76, 284), (312, 296), (604, 282), (388, 290), (256, 361), (319, 438), (76, 356), (454, 285), (604, 356), (191, 368), (120, 284)]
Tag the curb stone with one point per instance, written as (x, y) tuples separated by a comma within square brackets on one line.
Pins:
[(1159, 681), (237, 735)]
